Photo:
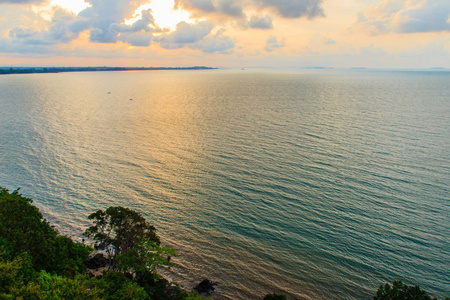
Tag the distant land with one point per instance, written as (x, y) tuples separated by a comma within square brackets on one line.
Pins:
[(30, 70)]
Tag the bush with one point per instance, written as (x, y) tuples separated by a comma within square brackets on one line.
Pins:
[(15, 273), (274, 297), (37, 263), (115, 285), (48, 286), (400, 291), (24, 230), (119, 230)]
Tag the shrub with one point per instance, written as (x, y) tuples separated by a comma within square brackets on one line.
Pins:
[(48, 286), (274, 297), (24, 230), (115, 285), (400, 291)]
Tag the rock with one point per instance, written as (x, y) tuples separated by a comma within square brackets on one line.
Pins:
[(97, 261), (206, 287), (90, 274)]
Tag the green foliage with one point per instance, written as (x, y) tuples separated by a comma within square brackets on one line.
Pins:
[(274, 297), (144, 255), (115, 285), (23, 229), (400, 291), (37, 263), (16, 273), (69, 256), (158, 288), (47, 286), (118, 230), (6, 249)]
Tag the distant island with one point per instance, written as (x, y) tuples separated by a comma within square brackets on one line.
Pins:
[(31, 70)]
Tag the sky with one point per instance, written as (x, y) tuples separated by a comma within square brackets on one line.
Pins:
[(226, 33)]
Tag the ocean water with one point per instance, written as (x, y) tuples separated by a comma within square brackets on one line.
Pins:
[(318, 184)]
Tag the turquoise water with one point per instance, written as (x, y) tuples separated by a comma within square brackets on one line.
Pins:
[(319, 184)]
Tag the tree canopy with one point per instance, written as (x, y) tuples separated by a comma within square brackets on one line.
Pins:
[(401, 291), (120, 232), (24, 230), (38, 263)]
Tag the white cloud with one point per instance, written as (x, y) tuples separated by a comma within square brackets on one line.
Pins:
[(234, 8), (202, 5), (260, 22), (106, 18), (103, 21), (406, 17), (23, 1), (230, 7), (217, 43), (295, 8), (59, 31), (185, 33), (138, 39), (272, 44)]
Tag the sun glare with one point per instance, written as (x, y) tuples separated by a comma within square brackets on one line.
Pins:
[(74, 6), (163, 13)]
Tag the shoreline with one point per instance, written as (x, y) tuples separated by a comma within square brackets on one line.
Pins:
[(44, 70)]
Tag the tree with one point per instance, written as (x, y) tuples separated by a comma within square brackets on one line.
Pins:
[(38, 263), (274, 297), (159, 288), (15, 273), (115, 285), (120, 230), (24, 230), (51, 286), (22, 226), (145, 255), (400, 291)]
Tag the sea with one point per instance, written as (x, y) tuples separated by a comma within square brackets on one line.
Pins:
[(312, 183)]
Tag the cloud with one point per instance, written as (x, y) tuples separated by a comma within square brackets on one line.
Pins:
[(217, 43), (234, 8), (202, 5), (260, 22), (230, 8), (106, 18), (104, 21), (185, 33), (142, 24), (23, 1), (272, 44), (431, 16), (320, 40), (112, 11), (138, 34), (22, 32), (138, 39), (405, 17), (26, 46), (295, 8), (198, 37), (59, 31)]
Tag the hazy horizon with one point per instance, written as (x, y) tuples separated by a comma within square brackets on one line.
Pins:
[(435, 68)]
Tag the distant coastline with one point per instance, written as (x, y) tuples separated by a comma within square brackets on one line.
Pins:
[(32, 70)]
